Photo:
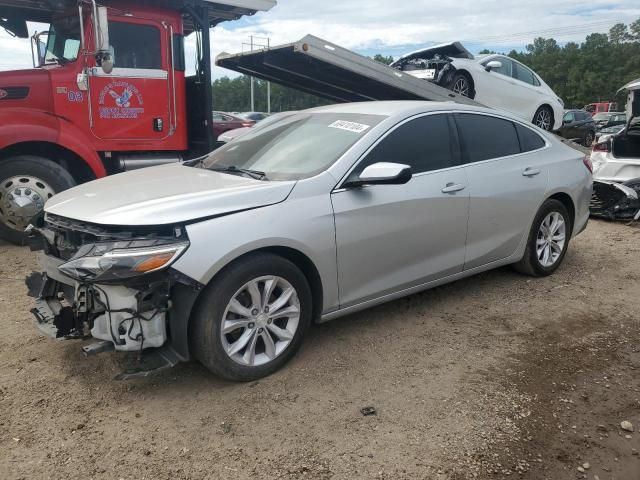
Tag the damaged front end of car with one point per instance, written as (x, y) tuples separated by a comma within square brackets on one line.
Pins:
[(616, 201), (115, 285), (433, 64)]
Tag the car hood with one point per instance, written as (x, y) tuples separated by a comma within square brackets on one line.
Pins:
[(453, 50), (164, 195)]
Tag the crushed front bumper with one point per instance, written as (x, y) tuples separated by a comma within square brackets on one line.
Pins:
[(134, 318)]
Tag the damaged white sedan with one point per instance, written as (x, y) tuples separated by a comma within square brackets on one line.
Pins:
[(228, 259), (494, 80), (616, 166)]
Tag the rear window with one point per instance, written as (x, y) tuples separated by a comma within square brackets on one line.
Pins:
[(529, 140), (484, 137)]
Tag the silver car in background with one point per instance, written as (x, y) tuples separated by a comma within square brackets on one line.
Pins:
[(229, 259)]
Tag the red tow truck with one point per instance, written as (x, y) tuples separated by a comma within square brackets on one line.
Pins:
[(109, 93)]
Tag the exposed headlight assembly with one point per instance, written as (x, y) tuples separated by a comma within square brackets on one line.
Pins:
[(108, 262)]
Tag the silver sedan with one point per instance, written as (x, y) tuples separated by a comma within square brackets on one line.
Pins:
[(230, 258)]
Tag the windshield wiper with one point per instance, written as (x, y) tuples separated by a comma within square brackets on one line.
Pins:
[(256, 174)]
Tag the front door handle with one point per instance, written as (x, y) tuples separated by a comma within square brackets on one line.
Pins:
[(531, 172), (453, 188)]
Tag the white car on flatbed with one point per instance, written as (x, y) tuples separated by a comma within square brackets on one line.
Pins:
[(496, 81)]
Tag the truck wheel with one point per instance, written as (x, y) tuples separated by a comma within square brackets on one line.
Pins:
[(26, 183), (252, 318)]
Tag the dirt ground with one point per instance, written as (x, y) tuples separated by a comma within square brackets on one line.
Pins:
[(495, 376)]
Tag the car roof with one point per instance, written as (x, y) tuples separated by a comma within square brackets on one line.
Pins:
[(398, 107)]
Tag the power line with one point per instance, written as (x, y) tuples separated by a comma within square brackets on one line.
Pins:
[(567, 30)]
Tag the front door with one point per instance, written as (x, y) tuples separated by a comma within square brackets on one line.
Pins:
[(393, 237), (133, 101)]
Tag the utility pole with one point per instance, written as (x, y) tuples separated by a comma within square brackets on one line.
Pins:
[(262, 45), (253, 96), (268, 83)]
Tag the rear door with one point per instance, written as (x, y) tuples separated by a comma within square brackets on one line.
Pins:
[(529, 91), (133, 101), (393, 237), (507, 182)]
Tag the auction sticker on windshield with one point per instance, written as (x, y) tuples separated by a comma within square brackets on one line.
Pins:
[(350, 126)]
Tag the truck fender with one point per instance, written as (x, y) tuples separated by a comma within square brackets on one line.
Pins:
[(18, 125)]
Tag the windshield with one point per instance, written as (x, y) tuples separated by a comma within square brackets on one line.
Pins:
[(297, 146), (63, 42)]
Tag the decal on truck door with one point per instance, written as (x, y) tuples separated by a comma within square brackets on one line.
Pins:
[(120, 100)]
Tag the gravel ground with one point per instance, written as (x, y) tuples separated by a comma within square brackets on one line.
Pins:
[(495, 376)]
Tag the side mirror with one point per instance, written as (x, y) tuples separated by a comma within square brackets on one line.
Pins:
[(104, 58), (382, 173), (493, 65)]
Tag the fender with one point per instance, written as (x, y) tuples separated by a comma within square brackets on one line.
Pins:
[(22, 125)]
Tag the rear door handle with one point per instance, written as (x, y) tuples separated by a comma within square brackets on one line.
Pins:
[(453, 188), (531, 172)]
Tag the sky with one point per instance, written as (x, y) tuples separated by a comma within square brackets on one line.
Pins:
[(377, 26)]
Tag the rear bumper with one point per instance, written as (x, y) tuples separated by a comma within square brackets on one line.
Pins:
[(615, 201)]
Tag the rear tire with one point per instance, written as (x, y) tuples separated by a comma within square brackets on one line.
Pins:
[(587, 141), (548, 241), (242, 337), (26, 183)]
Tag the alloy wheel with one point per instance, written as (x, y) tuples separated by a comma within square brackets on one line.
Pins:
[(461, 87), (21, 199), (260, 321), (543, 119), (552, 238)]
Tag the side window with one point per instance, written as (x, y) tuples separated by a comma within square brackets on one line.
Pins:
[(484, 137), (423, 143), (523, 74), (529, 140), (507, 66), (569, 117), (178, 52), (135, 46)]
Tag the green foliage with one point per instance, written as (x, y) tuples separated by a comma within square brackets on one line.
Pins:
[(590, 72), (387, 60), (234, 95)]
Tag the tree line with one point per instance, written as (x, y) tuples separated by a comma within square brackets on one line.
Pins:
[(591, 71)]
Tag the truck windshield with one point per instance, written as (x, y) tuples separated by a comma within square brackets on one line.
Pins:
[(294, 147), (63, 42)]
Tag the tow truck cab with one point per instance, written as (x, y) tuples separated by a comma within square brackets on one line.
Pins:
[(108, 93)]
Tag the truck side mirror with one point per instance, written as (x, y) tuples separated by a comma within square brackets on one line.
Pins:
[(104, 58)]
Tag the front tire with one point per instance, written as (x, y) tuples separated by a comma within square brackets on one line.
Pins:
[(26, 183), (548, 240), (252, 318), (544, 118)]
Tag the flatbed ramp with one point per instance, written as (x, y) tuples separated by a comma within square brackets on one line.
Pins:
[(319, 67)]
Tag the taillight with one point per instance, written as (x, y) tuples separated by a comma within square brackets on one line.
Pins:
[(247, 124), (587, 163), (601, 147)]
